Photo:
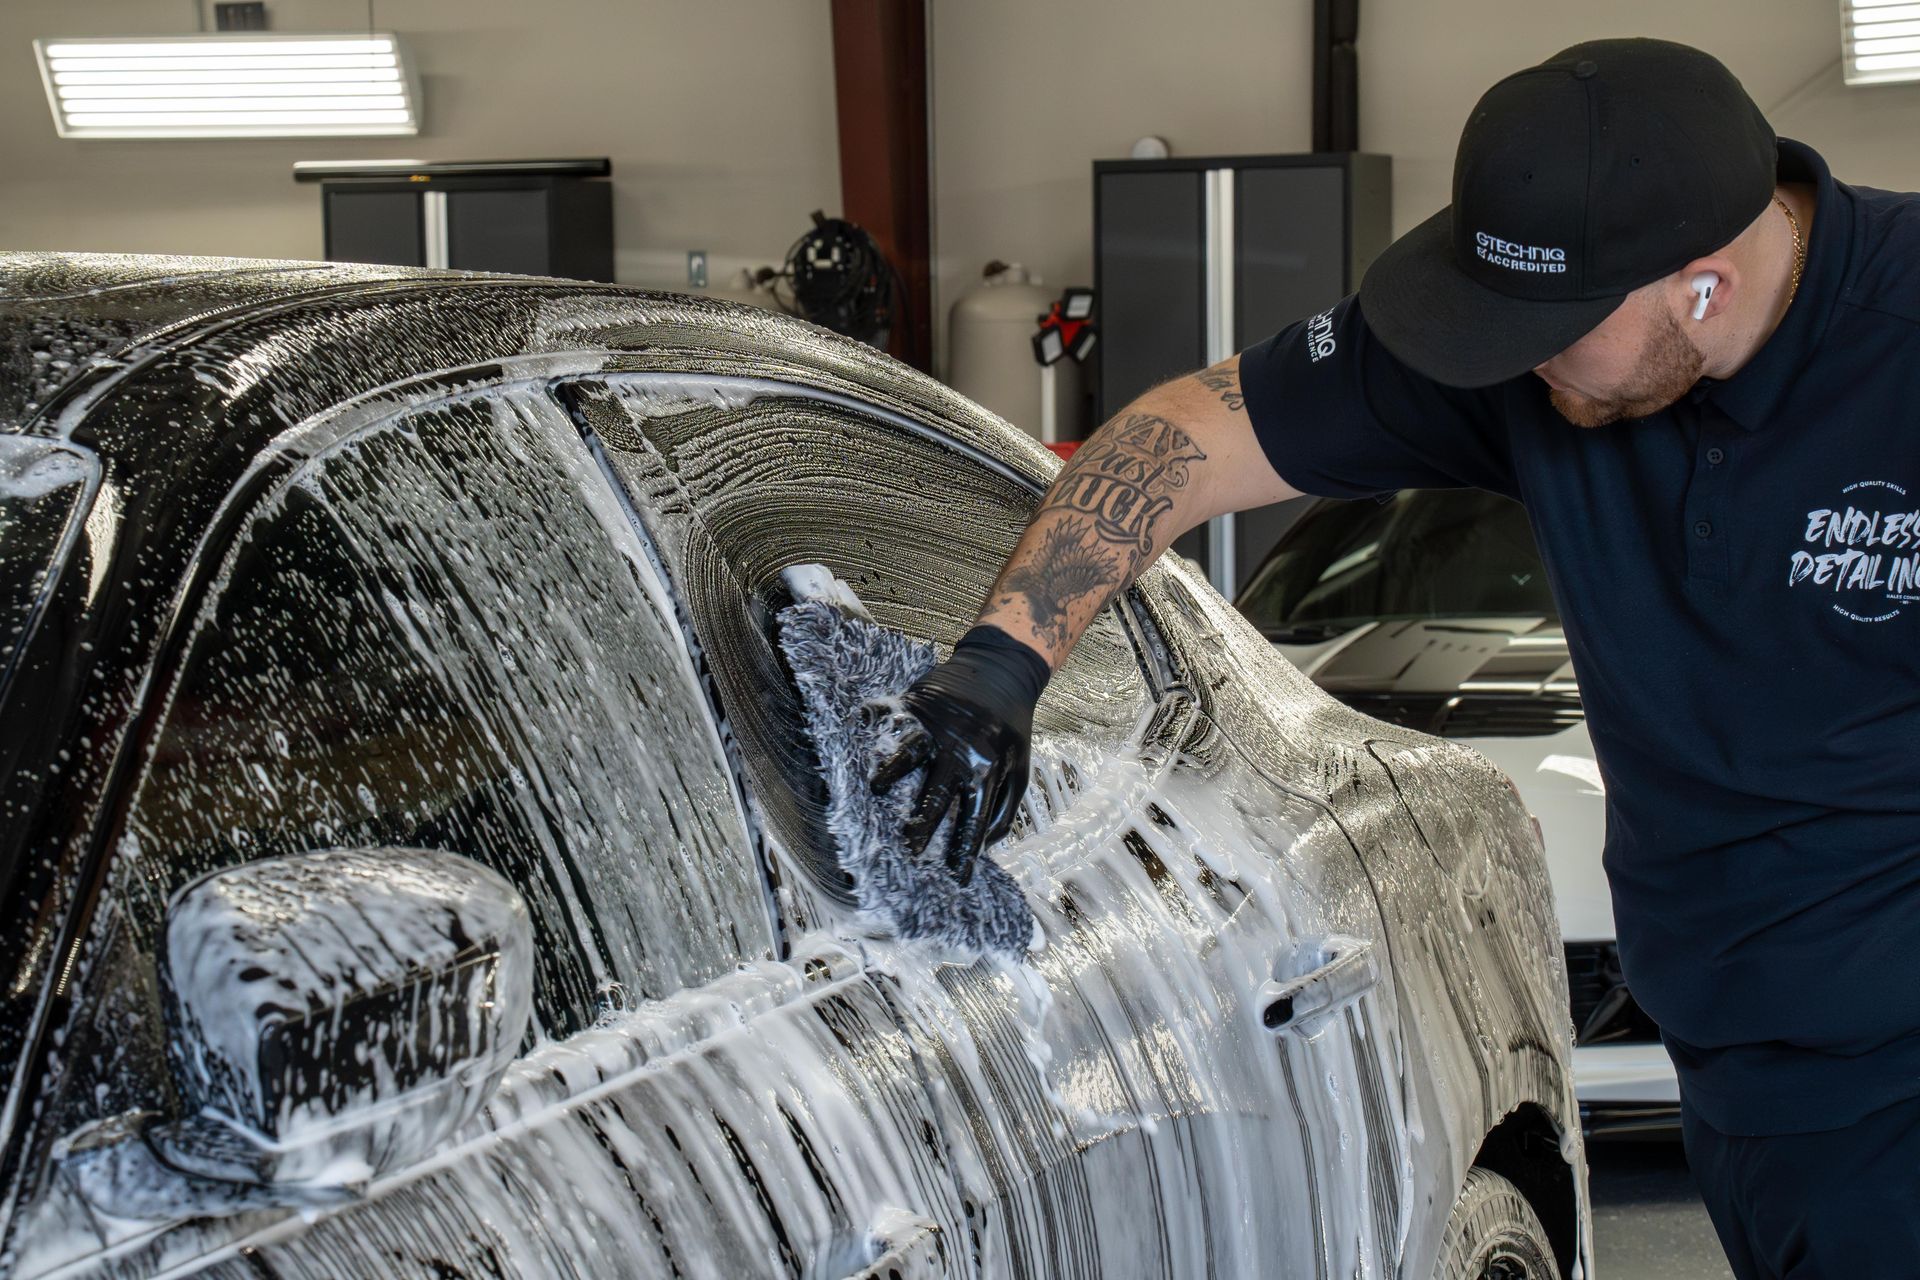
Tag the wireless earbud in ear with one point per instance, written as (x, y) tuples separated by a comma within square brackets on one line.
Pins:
[(1703, 284)]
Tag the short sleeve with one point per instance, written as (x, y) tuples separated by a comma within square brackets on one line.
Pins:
[(1340, 417)]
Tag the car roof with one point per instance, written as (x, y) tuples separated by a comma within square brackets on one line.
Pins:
[(177, 373), (64, 316)]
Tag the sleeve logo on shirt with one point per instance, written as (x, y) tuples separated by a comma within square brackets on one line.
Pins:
[(1515, 256), (1320, 343), (1865, 556)]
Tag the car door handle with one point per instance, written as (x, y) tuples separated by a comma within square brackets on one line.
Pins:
[(900, 1244), (1347, 970)]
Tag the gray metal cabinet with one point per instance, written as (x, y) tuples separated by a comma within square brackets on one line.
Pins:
[(1196, 258), (1152, 276), (546, 218)]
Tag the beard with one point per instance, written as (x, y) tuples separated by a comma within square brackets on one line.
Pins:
[(1668, 366)]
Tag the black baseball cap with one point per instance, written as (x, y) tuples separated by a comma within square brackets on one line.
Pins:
[(1606, 167)]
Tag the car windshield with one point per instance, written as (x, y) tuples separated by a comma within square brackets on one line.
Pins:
[(1446, 553), (42, 487)]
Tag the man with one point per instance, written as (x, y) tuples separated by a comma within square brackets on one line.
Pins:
[(1695, 357)]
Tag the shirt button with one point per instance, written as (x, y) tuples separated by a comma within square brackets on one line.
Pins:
[(1702, 529), (1716, 455)]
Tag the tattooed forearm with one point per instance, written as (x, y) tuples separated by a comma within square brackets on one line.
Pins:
[(1071, 565), (1100, 521), (1223, 382), (1124, 480)]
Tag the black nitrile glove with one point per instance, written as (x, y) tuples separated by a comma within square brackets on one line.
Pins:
[(975, 714)]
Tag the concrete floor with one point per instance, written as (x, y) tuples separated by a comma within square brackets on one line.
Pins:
[(1648, 1222)]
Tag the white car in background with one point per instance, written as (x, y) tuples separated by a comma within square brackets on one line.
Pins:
[(1431, 609)]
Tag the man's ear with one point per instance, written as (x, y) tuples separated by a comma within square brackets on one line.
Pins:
[(1706, 287)]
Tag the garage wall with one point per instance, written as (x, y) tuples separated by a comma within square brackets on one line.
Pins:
[(1027, 95), (1424, 65), (718, 115)]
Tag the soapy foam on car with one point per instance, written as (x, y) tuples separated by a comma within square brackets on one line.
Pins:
[(1129, 935)]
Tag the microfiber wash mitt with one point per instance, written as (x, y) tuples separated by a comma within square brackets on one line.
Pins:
[(851, 672)]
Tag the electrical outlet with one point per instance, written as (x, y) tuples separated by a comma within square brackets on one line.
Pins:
[(697, 268)]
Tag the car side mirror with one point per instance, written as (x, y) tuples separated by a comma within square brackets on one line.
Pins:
[(330, 1016)]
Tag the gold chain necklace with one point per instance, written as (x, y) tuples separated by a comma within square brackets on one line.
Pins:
[(1799, 249)]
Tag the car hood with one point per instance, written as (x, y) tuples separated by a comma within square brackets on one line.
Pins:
[(1495, 654)]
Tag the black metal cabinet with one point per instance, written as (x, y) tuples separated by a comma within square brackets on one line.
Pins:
[(1150, 279), (1197, 258), (546, 218), (373, 224)]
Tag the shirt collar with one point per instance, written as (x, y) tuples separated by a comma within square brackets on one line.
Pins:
[(1751, 394)]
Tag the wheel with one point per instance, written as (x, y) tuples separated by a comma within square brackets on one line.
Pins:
[(1494, 1234)]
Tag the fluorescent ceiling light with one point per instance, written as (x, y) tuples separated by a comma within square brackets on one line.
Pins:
[(1880, 40), (230, 86)]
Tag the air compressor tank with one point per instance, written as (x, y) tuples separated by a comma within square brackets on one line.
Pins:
[(990, 360)]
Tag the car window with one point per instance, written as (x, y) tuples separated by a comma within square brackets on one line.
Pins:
[(1420, 554), (441, 632), (739, 484)]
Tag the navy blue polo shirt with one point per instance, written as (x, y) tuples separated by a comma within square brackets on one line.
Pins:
[(1739, 578)]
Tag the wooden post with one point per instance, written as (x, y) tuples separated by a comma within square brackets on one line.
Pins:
[(880, 94)]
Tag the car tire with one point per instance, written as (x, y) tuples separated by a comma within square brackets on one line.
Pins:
[(1494, 1234)]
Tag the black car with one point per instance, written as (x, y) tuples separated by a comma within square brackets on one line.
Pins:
[(418, 858)]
